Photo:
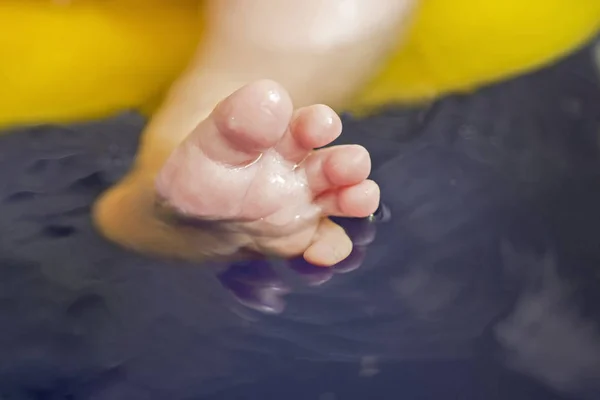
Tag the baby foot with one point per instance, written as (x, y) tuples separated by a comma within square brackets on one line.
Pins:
[(251, 168)]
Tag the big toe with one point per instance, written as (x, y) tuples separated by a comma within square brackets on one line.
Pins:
[(245, 124), (241, 127)]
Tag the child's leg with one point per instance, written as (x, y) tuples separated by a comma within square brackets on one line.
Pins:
[(319, 50)]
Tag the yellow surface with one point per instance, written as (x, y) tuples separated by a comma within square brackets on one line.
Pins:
[(457, 45), (89, 58), (95, 57)]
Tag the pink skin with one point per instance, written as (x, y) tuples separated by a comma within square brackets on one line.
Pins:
[(252, 163), (247, 163)]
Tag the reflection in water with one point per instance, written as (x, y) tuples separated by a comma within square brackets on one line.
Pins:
[(546, 335), (257, 285)]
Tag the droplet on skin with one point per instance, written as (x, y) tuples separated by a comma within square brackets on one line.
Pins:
[(274, 96), (278, 179), (324, 116)]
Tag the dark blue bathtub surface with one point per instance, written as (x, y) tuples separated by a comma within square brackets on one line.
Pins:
[(479, 280)]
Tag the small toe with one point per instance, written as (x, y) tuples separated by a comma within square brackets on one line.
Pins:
[(330, 246), (312, 275), (336, 167), (358, 201), (353, 262), (311, 127)]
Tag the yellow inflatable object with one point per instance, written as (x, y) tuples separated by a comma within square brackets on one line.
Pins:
[(65, 62), (458, 45)]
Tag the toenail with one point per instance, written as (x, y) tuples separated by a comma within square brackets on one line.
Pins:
[(273, 99), (360, 154), (324, 115)]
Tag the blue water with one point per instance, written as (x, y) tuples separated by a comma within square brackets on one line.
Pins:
[(479, 280)]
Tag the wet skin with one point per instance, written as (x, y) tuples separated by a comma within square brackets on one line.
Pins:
[(238, 152), (483, 283)]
